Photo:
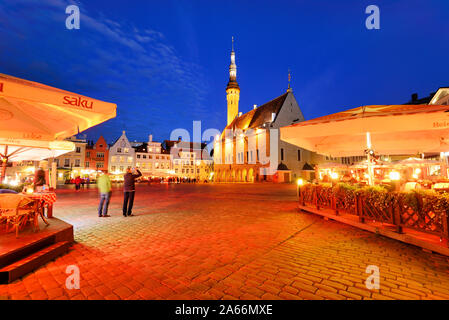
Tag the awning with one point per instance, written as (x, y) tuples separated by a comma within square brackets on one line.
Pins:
[(30, 110), (393, 130)]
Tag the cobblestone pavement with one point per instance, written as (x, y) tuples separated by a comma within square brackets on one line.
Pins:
[(224, 241)]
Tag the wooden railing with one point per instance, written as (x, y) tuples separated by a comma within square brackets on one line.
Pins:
[(428, 213)]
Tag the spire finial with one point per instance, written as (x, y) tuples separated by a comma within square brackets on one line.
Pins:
[(232, 43), (289, 89)]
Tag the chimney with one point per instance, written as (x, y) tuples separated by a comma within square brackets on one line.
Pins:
[(273, 116), (240, 114), (414, 97), (150, 138), (255, 106)]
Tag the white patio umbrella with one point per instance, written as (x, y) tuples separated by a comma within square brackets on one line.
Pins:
[(388, 130), (35, 117)]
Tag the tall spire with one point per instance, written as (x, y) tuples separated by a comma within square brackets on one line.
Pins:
[(232, 89), (233, 66)]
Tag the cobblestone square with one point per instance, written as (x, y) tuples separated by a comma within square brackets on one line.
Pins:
[(225, 241)]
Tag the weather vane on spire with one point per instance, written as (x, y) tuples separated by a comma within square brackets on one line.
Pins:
[(289, 89), (232, 43)]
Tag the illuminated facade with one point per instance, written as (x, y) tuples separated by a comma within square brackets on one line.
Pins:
[(97, 156), (190, 160), (152, 160), (250, 149), (121, 157)]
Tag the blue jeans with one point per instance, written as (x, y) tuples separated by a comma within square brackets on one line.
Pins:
[(104, 203)]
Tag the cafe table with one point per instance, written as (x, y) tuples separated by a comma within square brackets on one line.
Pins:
[(45, 200)]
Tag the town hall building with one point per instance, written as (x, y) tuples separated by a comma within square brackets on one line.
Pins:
[(249, 149)]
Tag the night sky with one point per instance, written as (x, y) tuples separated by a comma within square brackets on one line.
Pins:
[(165, 63)]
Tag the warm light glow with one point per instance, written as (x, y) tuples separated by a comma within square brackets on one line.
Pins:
[(417, 171), (394, 175), (368, 140), (415, 176), (300, 182), (334, 175)]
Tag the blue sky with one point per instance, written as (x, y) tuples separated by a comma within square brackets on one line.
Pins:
[(165, 63)]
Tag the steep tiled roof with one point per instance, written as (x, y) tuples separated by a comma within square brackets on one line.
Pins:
[(257, 117)]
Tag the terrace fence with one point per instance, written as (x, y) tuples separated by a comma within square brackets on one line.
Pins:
[(423, 211)]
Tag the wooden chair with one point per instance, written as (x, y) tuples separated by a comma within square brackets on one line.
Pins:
[(16, 209)]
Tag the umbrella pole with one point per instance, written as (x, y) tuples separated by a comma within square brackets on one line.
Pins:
[(370, 167), (4, 164), (3, 173)]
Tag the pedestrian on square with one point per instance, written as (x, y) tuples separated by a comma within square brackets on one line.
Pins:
[(104, 187), (129, 189), (77, 183)]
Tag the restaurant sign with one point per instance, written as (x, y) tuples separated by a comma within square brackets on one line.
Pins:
[(78, 101), (441, 124)]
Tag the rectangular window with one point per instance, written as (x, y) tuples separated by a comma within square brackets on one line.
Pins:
[(77, 162), (113, 168), (138, 156), (100, 165), (88, 154), (87, 164), (66, 162), (299, 154), (119, 150), (100, 154), (78, 150), (282, 154)]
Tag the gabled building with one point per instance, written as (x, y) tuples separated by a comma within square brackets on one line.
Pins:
[(121, 156), (97, 155), (249, 149)]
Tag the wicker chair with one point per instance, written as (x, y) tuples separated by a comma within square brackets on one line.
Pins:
[(16, 210)]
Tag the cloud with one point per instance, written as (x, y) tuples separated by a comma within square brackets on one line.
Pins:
[(155, 88)]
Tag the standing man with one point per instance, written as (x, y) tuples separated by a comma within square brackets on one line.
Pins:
[(104, 187), (129, 189)]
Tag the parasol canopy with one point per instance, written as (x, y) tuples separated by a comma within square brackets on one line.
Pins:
[(332, 165), (393, 129), (22, 149), (30, 110), (414, 162), (34, 118)]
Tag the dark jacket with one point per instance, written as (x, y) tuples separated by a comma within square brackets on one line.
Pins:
[(129, 181)]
